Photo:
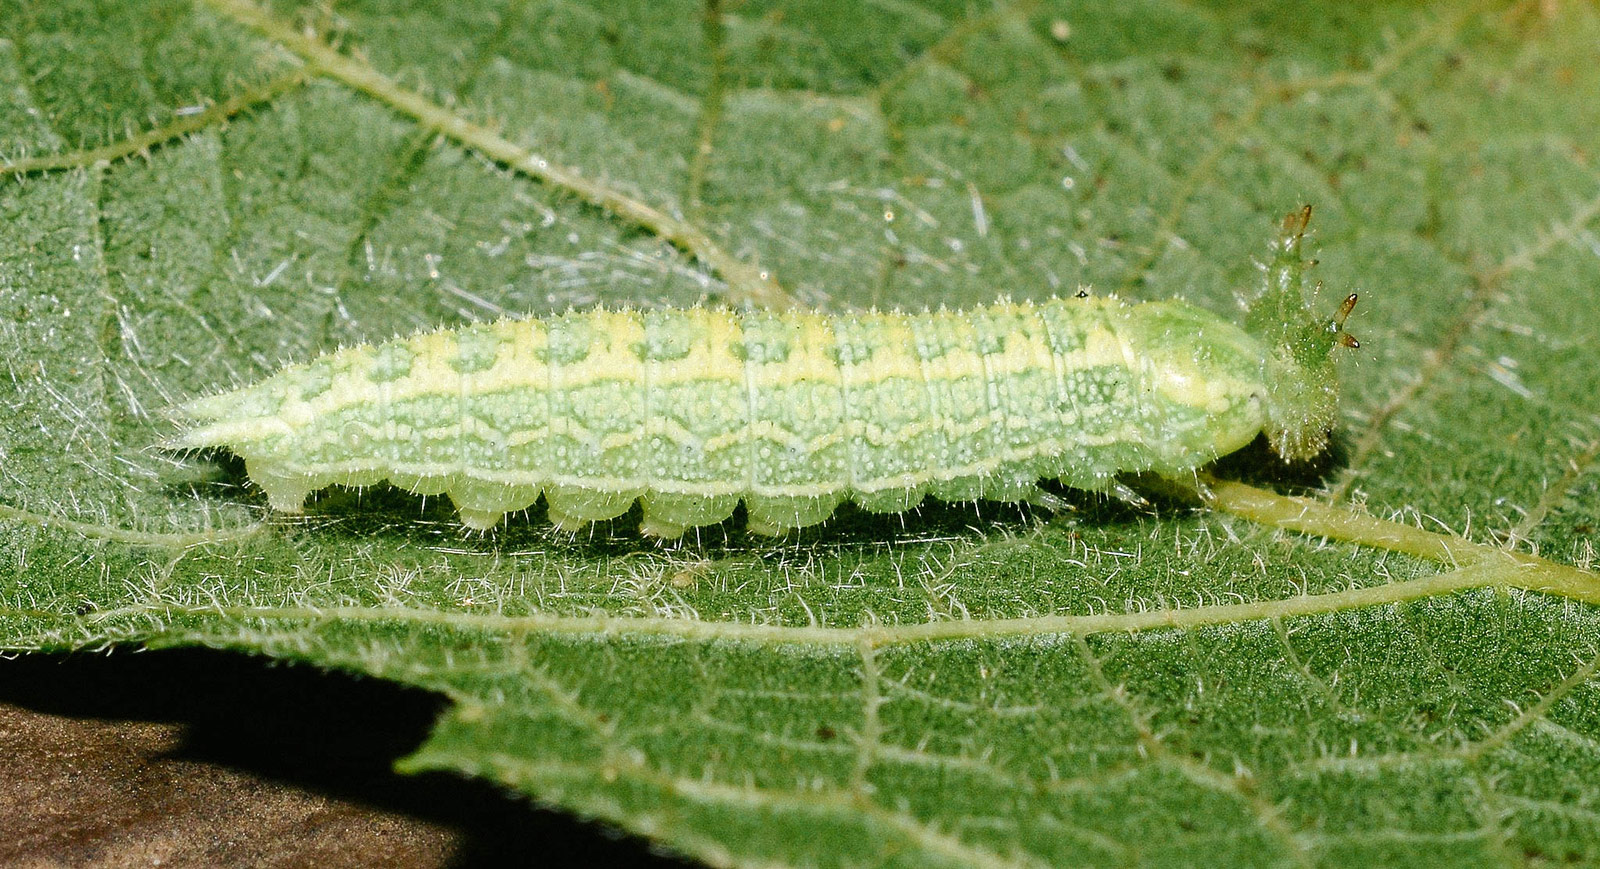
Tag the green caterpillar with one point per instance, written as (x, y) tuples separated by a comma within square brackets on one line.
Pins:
[(694, 410)]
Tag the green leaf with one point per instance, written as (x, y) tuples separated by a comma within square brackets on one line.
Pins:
[(199, 191)]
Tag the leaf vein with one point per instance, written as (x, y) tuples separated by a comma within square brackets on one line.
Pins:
[(141, 143), (745, 282)]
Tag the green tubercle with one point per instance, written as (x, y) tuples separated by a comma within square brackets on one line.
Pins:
[(1300, 369)]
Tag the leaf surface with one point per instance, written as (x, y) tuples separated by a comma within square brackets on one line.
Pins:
[(200, 191)]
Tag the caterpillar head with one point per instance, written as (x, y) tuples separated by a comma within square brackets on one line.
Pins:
[(1302, 380)]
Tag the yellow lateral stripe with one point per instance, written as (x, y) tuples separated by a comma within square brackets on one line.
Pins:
[(255, 429), (524, 372)]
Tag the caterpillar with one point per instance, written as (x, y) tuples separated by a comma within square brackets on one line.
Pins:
[(694, 410)]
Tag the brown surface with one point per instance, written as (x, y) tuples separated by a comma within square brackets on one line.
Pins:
[(99, 793), (197, 758)]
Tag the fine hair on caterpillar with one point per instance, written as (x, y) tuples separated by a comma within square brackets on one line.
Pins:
[(693, 410)]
